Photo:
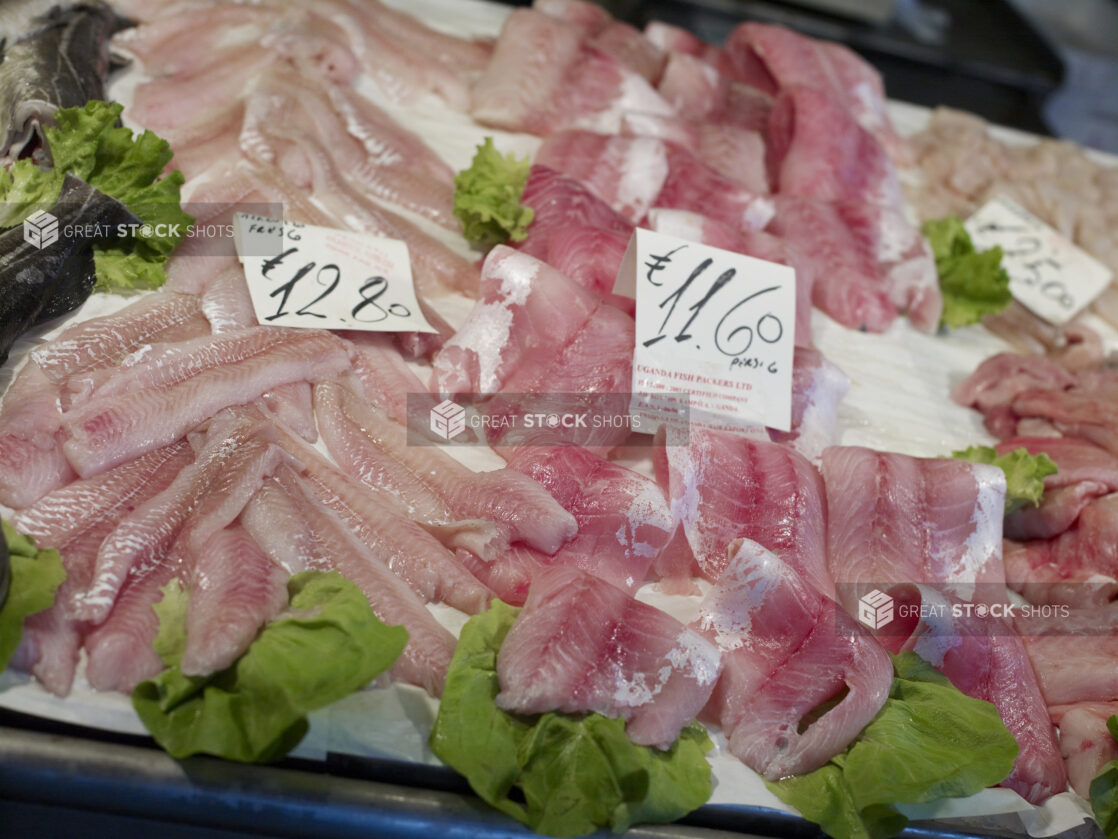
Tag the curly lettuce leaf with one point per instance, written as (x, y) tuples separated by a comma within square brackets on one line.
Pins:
[(327, 645), (1104, 791), (929, 741), (973, 282), (487, 197), (559, 774), (1024, 473), (88, 142), (36, 575)]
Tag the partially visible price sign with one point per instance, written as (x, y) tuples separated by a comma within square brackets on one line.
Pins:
[(321, 278), (1047, 273), (715, 324)]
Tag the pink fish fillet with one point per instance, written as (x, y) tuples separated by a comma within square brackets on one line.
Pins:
[(104, 341), (510, 574), (787, 58), (848, 283), (625, 172), (592, 258), (303, 159), (900, 519), (560, 202), (678, 41), (387, 174), (111, 428), (787, 649), (589, 18), (984, 658), (692, 185), (581, 645), (402, 58), (705, 90), (75, 519), (542, 78), (624, 520), (431, 484), (816, 150), (734, 152), (235, 456), (234, 590), (32, 461), (1085, 742), (292, 527), (1057, 571), (626, 43), (409, 550), (1073, 653), (119, 652), (725, 486), (533, 330)]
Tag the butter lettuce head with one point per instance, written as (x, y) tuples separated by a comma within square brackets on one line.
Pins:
[(560, 774), (327, 645), (35, 576)]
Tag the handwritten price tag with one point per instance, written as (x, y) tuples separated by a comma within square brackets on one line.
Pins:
[(714, 324), (1047, 273), (320, 278)]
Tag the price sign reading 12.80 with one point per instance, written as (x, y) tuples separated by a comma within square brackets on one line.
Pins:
[(321, 278), (1047, 273), (715, 324)]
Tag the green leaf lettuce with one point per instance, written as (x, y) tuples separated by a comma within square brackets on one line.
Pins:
[(559, 774), (88, 142), (973, 282), (1024, 472), (327, 645), (36, 575), (1104, 790), (487, 197), (928, 741)]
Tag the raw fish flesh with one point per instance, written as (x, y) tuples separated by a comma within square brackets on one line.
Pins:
[(726, 486), (580, 644), (624, 520), (787, 649), (900, 519)]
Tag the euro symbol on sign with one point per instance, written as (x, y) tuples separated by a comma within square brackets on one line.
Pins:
[(659, 263)]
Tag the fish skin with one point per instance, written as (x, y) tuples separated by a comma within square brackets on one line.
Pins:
[(37, 284), (54, 57)]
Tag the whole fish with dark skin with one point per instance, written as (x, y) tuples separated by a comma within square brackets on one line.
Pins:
[(54, 55), (40, 282)]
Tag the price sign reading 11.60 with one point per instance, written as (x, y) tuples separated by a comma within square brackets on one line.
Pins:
[(321, 278), (715, 324)]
